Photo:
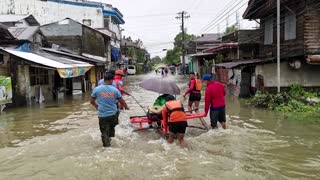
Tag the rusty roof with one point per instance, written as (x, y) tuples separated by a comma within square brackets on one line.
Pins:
[(230, 65)]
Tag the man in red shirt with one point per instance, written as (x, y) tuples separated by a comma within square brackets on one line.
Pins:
[(194, 91), (214, 99)]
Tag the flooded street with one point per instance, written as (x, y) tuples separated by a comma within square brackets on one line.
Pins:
[(62, 141)]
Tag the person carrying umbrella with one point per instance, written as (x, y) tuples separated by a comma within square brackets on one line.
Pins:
[(194, 90)]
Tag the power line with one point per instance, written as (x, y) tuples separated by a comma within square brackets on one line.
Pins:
[(225, 12)]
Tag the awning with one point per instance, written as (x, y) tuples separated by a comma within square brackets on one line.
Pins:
[(67, 68), (230, 65), (201, 54)]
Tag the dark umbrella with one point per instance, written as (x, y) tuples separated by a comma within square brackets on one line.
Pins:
[(160, 85)]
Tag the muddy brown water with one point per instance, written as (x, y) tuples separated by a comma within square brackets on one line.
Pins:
[(61, 140)]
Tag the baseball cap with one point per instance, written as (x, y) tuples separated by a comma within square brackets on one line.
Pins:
[(207, 77), (119, 72)]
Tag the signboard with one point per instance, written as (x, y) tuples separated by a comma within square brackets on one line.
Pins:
[(73, 72), (5, 90)]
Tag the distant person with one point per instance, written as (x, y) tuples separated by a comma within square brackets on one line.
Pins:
[(162, 72), (172, 71), (215, 100), (175, 118), (107, 97), (166, 71), (156, 71), (194, 90)]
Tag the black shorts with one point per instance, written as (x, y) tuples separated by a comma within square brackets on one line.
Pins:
[(178, 127), (217, 115), (195, 97)]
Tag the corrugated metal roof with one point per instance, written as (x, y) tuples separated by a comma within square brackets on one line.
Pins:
[(23, 33), (12, 17), (230, 65), (50, 50), (4, 33), (5, 18), (55, 62), (208, 38)]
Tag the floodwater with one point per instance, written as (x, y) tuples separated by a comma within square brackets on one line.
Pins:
[(61, 140)]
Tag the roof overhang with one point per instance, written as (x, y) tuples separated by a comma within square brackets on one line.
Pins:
[(70, 70), (222, 47), (230, 65)]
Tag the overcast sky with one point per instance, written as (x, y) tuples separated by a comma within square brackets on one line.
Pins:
[(154, 22)]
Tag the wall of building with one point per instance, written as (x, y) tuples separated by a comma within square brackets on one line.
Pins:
[(93, 43), (53, 10), (63, 28), (306, 75)]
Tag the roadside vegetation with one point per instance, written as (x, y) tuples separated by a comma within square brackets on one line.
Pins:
[(295, 100)]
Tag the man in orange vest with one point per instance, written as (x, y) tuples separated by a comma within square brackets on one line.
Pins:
[(174, 116), (118, 83), (194, 90)]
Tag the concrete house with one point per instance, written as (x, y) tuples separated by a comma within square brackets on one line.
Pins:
[(83, 40), (101, 16)]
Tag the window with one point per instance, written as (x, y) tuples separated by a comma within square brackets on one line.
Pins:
[(268, 31), (87, 22), (38, 76), (290, 26)]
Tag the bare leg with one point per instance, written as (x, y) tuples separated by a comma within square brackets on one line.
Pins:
[(190, 106), (182, 143), (196, 106), (224, 126), (171, 138)]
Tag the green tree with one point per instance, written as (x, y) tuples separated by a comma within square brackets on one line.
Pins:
[(173, 55), (141, 55), (156, 60), (231, 29)]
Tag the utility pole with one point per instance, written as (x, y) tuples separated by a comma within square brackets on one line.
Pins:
[(183, 15), (278, 47)]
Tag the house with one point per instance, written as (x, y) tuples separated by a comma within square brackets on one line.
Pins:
[(299, 39), (195, 48), (238, 45), (98, 15), (38, 76), (82, 39)]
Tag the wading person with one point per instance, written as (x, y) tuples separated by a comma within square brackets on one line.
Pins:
[(104, 98), (194, 90), (174, 116), (101, 81), (215, 100), (118, 83)]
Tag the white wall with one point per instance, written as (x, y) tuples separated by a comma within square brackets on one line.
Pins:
[(48, 12), (307, 75)]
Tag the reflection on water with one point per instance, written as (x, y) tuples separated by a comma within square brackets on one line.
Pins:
[(62, 141)]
